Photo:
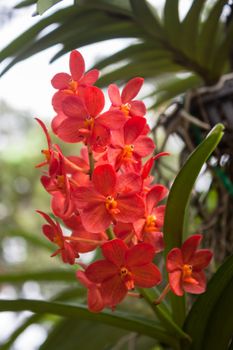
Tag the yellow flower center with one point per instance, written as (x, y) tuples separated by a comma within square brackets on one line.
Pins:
[(58, 240), (150, 224), (125, 108), (60, 181), (46, 153), (89, 123), (126, 277), (73, 85), (127, 152), (111, 205)]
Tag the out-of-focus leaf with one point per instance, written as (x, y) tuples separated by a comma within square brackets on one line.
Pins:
[(189, 28), (171, 21), (178, 200), (119, 7), (73, 335), (174, 87), (44, 5), (207, 37), (210, 320), (25, 39), (48, 275), (117, 319), (67, 294), (38, 241), (147, 18), (25, 3), (222, 52)]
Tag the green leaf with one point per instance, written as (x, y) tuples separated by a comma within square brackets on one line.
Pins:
[(25, 3), (207, 37), (210, 321), (178, 200), (73, 335), (190, 26), (117, 319), (67, 294), (117, 7), (45, 276), (147, 18), (44, 5), (171, 21)]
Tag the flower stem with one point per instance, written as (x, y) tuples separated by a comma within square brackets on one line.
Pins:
[(83, 240), (91, 160), (110, 233), (162, 295)]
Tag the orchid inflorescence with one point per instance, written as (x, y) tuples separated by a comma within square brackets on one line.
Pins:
[(106, 196)]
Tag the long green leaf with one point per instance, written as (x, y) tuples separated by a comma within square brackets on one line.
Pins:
[(210, 321), (171, 21), (24, 3), (147, 18), (117, 319), (67, 294), (115, 7), (38, 241), (178, 200), (207, 37), (190, 26), (45, 276), (44, 5)]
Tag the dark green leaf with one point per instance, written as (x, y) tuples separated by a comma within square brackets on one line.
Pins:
[(210, 321), (207, 37), (178, 200), (117, 319), (44, 5), (25, 3), (49, 275), (171, 21), (190, 26), (147, 18)]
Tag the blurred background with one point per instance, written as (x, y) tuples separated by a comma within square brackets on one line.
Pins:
[(180, 91)]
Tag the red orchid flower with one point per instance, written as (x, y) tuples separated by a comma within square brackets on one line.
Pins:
[(109, 199), (95, 300), (54, 233), (75, 82), (124, 101), (81, 120), (122, 269), (148, 229), (128, 145), (49, 153), (185, 267)]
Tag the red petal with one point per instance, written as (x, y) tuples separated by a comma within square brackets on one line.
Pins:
[(100, 271), (61, 81), (100, 138), (154, 196), (62, 205), (176, 283), (113, 291), (146, 276), (77, 65), (95, 300), (68, 130), (189, 247), (114, 95), (137, 109), (115, 251), (68, 254), (96, 218), (112, 119), (201, 259), (143, 146), (174, 260), (131, 89), (133, 128), (90, 77), (86, 196), (159, 214), (94, 100), (73, 107), (129, 182), (155, 239), (139, 254), (131, 208), (104, 179), (48, 232), (82, 278), (194, 288)]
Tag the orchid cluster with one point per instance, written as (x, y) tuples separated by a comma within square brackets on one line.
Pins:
[(105, 196)]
